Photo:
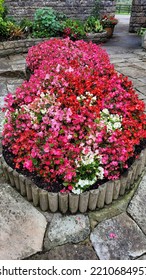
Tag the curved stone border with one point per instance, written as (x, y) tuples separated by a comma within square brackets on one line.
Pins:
[(98, 38), (18, 46), (22, 46), (63, 202)]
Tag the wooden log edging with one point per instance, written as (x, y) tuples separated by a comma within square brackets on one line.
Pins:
[(69, 202)]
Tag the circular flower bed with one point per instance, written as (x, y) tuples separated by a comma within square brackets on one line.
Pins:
[(76, 123)]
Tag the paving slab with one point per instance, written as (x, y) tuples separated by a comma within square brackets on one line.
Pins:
[(22, 227), (137, 209), (142, 89), (68, 252), (118, 238), (132, 72), (142, 257), (66, 229), (3, 88)]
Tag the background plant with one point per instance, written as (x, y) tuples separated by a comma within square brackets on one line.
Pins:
[(3, 29), (74, 29), (92, 24), (1, 7), (46, 23)]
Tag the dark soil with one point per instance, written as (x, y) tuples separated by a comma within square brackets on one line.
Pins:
[(57, 186)]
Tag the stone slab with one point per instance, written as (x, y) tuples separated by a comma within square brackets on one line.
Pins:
[(137, 206), (131, 72), (22, 227), (68, 252), (142, 89), (66, 229), (118, 238), (143, 257), (3, 88), (142, 79)]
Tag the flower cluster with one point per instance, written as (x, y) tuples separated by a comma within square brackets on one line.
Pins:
[(108, 20), (76, 120)]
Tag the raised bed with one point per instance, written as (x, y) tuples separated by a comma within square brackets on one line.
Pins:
[(22, 46), (69, 202)]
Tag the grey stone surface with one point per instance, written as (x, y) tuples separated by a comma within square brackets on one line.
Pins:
[(3, 88), (118, 238), (74, 8), (22, 227), (137, 209), (143, 257), (131, 72), (117, 207), (68, 252), (66, 229)]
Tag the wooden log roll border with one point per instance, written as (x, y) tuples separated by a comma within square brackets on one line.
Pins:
[(69, 202)]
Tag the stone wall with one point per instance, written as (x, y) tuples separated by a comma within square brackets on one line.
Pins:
[(138, 15), (73, 8)]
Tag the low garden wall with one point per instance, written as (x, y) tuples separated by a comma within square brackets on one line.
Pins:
[(18, 46), (64, 202), (22, 46)]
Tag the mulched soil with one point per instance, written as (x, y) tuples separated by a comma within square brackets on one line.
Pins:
[(57, 186)]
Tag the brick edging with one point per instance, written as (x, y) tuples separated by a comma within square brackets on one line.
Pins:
[(64, 202)]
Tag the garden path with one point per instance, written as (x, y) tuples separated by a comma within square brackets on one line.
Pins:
[(119, 230)]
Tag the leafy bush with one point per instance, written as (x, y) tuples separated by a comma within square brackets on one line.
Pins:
[(14, 31), (26, 25), (46, 23), (92, 24), (141, 31), (3, 29), (1, 7), (76, 121), (74, 29)]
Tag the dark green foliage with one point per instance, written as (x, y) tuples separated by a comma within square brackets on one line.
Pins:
[(74, 29), (3, 29), (46, 23)]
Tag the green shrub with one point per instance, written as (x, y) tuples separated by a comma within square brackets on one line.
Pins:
[(141, 31), (14, 30), (26, 25), (3, 29), (1, 7), (92, 24), (74, 29), (46, 23)]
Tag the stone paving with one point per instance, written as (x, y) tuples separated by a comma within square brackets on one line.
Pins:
[(114, 233)]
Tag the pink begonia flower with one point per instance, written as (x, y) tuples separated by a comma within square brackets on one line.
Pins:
[(112, 235), (28, 165)]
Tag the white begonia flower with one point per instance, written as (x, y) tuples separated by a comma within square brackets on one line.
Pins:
[(100, 172), (109, 126), (76, 191), (94, 98), (43, 111), (117, 125), (105, 111), (82, 183), (81, 97), (42, 95)]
